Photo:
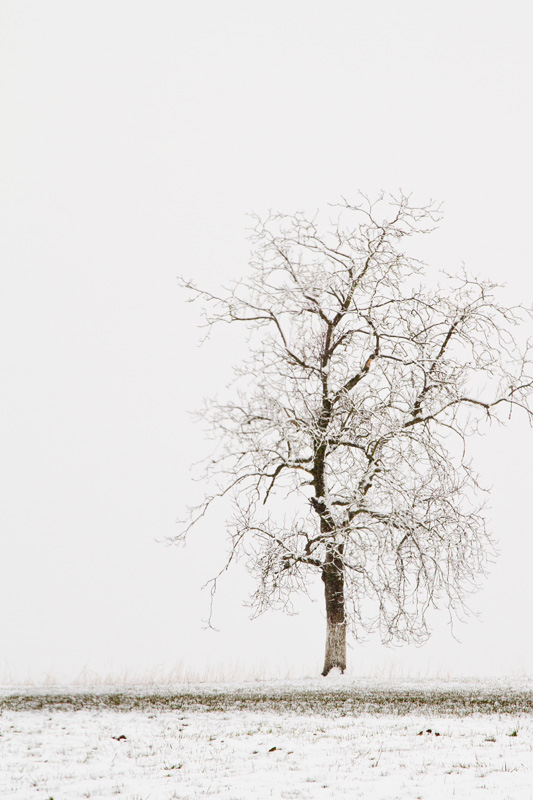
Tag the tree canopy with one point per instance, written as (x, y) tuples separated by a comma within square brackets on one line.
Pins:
[(344, 443)]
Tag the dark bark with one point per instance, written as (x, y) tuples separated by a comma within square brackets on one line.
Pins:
[(333, 577), (333, 567)]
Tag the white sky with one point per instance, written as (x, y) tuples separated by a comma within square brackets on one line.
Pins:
[(136, 137)]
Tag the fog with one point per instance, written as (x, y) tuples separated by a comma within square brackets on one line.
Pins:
[(136, 138)]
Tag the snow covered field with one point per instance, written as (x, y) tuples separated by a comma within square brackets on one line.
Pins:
[(268, 741)]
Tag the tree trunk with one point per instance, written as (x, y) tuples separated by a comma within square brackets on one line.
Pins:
[(333, 577)]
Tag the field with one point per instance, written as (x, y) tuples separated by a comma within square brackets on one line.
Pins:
[(302, 740)]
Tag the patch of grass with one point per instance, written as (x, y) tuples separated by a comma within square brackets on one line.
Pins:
[(344, 702)]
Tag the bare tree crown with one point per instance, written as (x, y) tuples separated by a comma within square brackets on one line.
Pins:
[(345, 440)]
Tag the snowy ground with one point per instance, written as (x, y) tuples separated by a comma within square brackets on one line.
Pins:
[(298, 741)]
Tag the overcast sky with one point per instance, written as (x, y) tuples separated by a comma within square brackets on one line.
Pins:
[(136, 137)]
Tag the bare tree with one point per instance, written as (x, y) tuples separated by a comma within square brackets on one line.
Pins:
[(344, 446)]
